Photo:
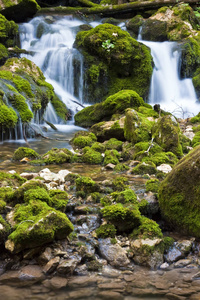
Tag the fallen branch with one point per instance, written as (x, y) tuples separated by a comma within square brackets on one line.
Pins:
[(51, 125), (110, 10)]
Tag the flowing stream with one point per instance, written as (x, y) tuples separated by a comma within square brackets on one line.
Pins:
[(174, 94)]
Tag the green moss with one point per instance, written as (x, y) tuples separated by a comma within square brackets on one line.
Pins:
[(83, 138), (179, 195), (152, 185), (148, 112), (105, 231), (113, 143), (86, 184), (148, 229), (168, 242), (91, 156), (8, 117), (162, 158), (120, 183), (126, 196), (127, 63), (114, 104), (57, 156), (59, 199), (111, 157), (99, 147), (143, 168), (11, 179), (22, 152), (123, 218), (5, 231), (137, 128), (121, 168), (22, 85), (19, 102), (166, 134), (37, 194), (38, 224), (106, 201)]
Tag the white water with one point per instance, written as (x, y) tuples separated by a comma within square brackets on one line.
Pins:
[(53, 52), (167, 89)]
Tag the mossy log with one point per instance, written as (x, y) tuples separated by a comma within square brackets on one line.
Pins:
[(87, 3), (111, 10)]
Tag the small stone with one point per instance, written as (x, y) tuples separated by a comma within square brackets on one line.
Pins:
[(164, 266), (12, 172), (110, 166), (51, 265), (28, 176), (165, 168), (25, 160)]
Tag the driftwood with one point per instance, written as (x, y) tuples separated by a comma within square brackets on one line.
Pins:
[(24, 134), (51, 125), (111, 10)]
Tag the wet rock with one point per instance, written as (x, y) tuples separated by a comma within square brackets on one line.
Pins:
[(56, 283), (164, 266), (110, 272), (182, 263), (51, 266), (45, 256), (107, 295), (67, 266), (173, 255), (146, 253), (113, 253)]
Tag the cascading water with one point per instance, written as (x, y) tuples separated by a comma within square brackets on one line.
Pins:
[(50, 42), (167, 89)]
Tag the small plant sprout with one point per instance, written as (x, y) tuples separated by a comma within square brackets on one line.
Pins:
[(107, 45)]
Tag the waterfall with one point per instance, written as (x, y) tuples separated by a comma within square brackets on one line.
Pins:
[(50, 40), (174, 94)]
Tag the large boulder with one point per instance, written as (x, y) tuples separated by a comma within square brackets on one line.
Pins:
[(114, 61), (19, 10), (37, 224), (179, 195), (114, 104)]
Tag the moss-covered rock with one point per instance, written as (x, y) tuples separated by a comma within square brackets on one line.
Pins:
[(137, 128), (82, 139), (123, 218), (36, 225), (105, 231), (19, 10), (115, 60), (154, 30), (86, 184), (8, 117), (21, 81), (108, 130), (22, 152), (57, 156), (124, 197), (133, 25), (12, 180), (91, 156), (113, 144), (152, 185), (59, 199), (115, 104), (166, 134), (179, 195), (4, 230), (148, 229), (143, 168), (111, 157)]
